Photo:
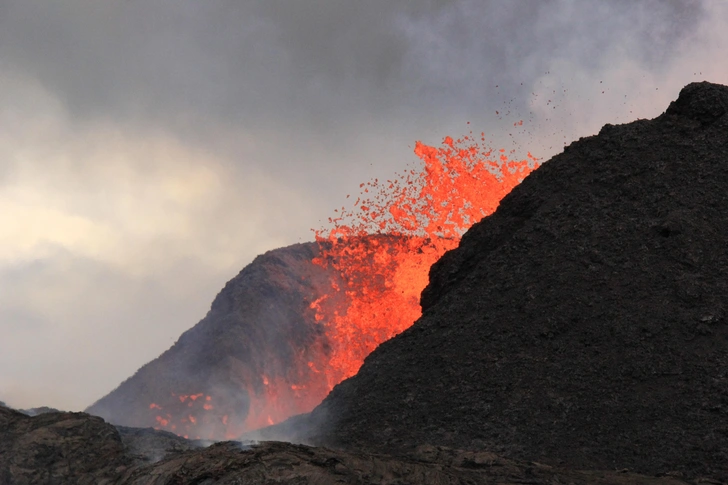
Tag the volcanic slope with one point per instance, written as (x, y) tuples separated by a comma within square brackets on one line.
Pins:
[(583, 323), (257, 332)]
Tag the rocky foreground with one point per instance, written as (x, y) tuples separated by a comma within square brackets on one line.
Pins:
[(76, 448)]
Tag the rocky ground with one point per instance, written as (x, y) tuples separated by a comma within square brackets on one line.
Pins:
[(76, 448)]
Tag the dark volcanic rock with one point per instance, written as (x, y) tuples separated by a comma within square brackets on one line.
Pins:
[(58, 448), (584, 323), (75, 448)]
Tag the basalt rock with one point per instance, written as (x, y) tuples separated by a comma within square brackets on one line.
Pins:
[(58, 447), (583, 324), (75, 448)]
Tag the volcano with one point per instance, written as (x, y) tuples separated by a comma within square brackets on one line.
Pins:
[(582, 324), (299, 320), (263, 352), (206, 384)]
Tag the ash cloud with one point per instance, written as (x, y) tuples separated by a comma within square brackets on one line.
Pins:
[(151, 149)]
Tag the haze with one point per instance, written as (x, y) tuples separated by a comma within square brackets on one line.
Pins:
[(149, 150)]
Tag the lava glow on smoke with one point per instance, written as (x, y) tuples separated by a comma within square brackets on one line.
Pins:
[(382, 248)]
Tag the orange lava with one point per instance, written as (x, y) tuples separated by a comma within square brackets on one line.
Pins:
[(382, 249), (418, 216)]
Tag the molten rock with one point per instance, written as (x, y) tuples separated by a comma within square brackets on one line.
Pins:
[(301, 319), (279, 336), (583, 323)]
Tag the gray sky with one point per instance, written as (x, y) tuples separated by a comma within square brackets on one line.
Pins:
[(149, 149)]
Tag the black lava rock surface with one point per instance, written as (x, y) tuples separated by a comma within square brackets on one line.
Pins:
[(76, 448), (582, 324)]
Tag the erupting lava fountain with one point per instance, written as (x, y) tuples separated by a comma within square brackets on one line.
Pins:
[(299, 320)]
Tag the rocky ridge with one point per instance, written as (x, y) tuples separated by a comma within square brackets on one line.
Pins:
[(81, 449)]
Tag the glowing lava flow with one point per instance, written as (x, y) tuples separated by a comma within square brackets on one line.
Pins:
[(379, 253), (418, 216), (189, 416)]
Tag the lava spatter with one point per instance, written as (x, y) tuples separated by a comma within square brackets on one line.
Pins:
[(378, 254), (415, 218)]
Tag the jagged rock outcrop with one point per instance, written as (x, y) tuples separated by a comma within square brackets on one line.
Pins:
[(58, 448), (76, 448), (583, 323)]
